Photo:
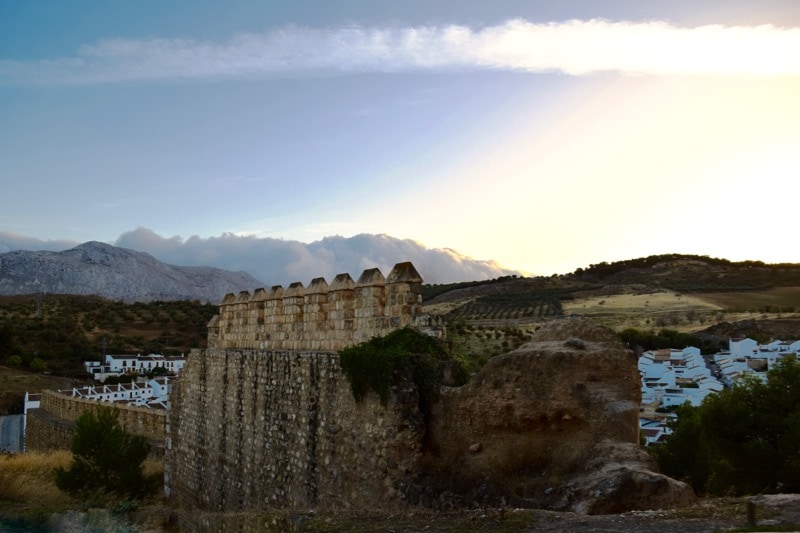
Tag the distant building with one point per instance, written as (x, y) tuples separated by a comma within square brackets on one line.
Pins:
[(673, 377), (118, 365), (153, 394), (745, 357)]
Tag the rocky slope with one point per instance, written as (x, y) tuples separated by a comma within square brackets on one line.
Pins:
[(115, 273), (554, 425)]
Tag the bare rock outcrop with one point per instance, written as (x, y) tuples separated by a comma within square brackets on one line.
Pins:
[(553, 424)]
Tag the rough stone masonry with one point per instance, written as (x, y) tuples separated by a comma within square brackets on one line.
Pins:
[(273, 424)]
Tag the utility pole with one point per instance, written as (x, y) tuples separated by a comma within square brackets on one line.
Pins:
[(39, 300)]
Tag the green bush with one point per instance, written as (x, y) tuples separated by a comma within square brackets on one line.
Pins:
[(37, 365), (374, 364), (106, 458)]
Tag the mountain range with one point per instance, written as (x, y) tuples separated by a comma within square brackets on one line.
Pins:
[(115, 273), (281, 262)]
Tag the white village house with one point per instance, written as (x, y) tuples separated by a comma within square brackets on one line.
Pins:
[(672, 377), (117, 365), (747, 357)]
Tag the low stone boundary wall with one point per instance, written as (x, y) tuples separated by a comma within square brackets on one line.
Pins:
[(52, 425)]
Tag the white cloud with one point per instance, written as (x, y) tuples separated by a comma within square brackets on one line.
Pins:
[(10, 242), (576, 47), (278, 261)]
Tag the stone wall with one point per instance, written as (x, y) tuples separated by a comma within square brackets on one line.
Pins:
[(320, 317), (52, 425), (553, 424), (256, 430)]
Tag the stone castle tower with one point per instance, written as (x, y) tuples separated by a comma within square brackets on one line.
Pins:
[(321, 317)]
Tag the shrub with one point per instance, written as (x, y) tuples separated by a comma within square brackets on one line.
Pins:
[(106, 458), (374, 364)]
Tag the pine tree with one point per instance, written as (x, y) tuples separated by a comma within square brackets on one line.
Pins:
[(106, 458)]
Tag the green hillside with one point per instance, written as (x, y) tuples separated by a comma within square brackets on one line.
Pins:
[(56, 333)]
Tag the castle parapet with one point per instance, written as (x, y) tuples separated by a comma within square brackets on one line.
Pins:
[(321, 316)]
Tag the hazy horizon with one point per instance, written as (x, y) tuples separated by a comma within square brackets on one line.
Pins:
[(541, 137)]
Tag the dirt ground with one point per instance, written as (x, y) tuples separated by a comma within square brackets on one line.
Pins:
[(772, 513), (779, 512)]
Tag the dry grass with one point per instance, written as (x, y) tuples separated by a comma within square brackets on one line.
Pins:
[(19, 381), (621, 311), (153, 466), (28, 478), (657, 302)]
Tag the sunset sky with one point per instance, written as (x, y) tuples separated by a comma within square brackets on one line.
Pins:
[(543, 135)]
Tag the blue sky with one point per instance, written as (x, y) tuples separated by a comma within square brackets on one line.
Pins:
[(545, 136)]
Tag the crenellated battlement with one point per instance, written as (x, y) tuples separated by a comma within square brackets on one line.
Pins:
[(320, 317)]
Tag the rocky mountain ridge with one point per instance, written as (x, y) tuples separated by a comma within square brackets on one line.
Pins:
[(115, 273)]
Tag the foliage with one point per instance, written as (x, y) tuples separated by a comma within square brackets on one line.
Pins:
[(106, 458), (65, 330), (475, 345), (524, 304), (431, 291), (693, 273), (665, 338), (743, 440), (129, 377), (37, 365), (374, 364), (158, 371)]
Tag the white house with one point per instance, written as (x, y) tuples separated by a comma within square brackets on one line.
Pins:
[(152, 394), (117, 365), (654, 431), (747, 357), (672, 377), (742, 347)]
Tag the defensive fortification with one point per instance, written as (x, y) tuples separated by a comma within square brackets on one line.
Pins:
[(320, 317), (265, 418)]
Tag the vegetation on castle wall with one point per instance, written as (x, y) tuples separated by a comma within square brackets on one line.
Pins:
[(374, 365), (743, 440)]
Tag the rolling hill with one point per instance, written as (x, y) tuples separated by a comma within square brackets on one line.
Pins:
[(693, 294)]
